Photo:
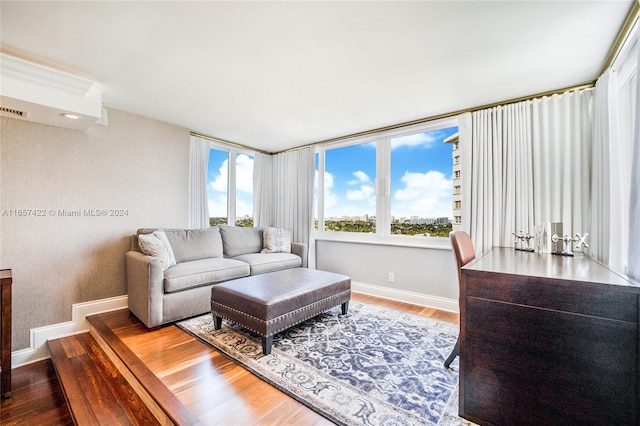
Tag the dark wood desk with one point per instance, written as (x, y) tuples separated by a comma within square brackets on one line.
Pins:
[(5, 331), (547, 339)]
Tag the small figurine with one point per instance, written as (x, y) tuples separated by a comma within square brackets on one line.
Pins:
[(520, 238), (568, 240)]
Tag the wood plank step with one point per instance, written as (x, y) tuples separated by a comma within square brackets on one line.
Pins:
[(159, 399), (96, 392)]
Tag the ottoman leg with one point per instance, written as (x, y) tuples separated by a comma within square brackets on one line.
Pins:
[(345, 307), (266, 345), (217, 322)]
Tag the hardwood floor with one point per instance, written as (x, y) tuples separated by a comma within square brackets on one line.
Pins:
[(37, 398), (211, 386)]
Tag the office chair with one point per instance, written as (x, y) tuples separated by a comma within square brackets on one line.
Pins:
[(465, 253)]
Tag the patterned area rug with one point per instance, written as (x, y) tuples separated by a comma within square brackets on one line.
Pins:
[(373, 366)]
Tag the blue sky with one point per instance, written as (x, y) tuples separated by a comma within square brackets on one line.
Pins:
[(421, 184)]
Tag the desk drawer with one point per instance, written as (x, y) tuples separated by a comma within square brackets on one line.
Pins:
[(593, 299)]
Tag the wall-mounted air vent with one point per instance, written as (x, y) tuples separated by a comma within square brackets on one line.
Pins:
[(14, 112), (33, 92)]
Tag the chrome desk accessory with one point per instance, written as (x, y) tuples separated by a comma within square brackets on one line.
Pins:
[(568, 241), (522, 238), (543, 233)]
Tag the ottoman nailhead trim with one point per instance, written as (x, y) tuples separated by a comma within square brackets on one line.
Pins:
[(313, 308)]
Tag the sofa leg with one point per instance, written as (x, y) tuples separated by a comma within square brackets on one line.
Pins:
[(345, 307), (267, 342), (217, 322)]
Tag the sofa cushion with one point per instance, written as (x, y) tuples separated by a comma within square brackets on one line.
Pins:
[(157, 245), (201, 272), (276, 240), (194, 244), (237, 240), (261, 263)]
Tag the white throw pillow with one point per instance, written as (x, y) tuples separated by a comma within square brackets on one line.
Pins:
[(157, 245), (276, 240)]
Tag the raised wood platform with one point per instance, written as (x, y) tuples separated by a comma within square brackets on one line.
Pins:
[(184, 378), (104, 382), (95, 391)]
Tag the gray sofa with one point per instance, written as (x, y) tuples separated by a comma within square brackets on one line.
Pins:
[(203, 258)]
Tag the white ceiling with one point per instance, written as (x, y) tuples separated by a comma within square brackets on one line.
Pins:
[(276, 75)]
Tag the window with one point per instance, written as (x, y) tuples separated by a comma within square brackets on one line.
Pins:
[(230, 189), (349, 194), (393, 183)]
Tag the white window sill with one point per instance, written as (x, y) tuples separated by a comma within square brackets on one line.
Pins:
[(436, 243)]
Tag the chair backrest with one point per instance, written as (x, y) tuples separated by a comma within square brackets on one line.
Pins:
[(463, 248)]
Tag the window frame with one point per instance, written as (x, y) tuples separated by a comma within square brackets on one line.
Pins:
[(232, 153), (382, 185)]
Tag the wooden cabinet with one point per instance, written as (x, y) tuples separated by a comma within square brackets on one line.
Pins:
[(5, 330), (548, 339)]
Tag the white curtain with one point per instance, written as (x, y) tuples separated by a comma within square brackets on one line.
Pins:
[(498, 200), (601, 182), (633, 269), (263, 200), (465, 132), (614, 189), (529, 164), (283, 194), (562, 131), (198, 164)]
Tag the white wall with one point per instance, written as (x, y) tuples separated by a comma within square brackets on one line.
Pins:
[(422, 275), (135, 164)]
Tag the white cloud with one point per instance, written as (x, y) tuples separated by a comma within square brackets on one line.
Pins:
[(330, 198), (424, 140), (366, 192), (423, 194), (218, 205), (244, 208), (244, 173), (219, 182), (360, 177)]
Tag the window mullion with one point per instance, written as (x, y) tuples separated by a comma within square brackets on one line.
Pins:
[(383, 186), (231, 191)]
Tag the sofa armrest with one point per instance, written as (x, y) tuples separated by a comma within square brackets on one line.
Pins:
[(301, 250), (145, 287)]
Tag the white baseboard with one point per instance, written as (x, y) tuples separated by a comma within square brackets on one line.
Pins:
[(420, 299), (38, 349)]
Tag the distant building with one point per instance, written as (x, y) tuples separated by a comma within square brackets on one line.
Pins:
[(457, 181), (442, 221)]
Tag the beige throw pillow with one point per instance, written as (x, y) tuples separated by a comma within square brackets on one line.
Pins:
[(276, 240), (157, 245)]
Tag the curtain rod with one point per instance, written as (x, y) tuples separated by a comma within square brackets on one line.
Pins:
[(634, 12), (233, 144), (425, 120)]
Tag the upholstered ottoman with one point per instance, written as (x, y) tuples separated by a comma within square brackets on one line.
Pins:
[(272, 302)]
